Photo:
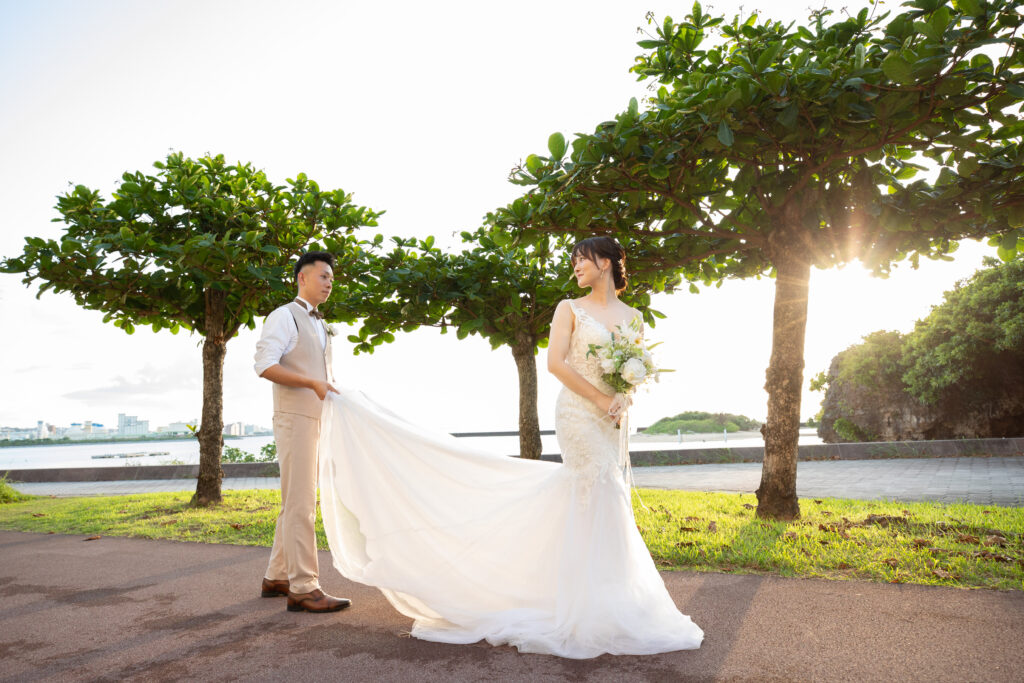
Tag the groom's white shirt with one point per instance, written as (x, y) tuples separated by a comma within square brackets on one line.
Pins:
[(279, 336)]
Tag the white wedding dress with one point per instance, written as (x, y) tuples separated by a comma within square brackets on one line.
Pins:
[(471, 546)]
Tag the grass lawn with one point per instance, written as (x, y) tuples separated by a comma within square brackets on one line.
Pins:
[(924, 543), (977, 546)]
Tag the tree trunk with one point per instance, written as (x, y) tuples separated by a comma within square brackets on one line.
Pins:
[(776, 496), (523, 350), (211, 431)]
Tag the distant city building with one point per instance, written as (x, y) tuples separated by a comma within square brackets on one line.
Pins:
[(178, 428), (234, 429), (18, 433), (130, 425), (85, 430)]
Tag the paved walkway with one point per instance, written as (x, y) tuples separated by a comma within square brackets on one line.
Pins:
[(118, 609), (988, 481)]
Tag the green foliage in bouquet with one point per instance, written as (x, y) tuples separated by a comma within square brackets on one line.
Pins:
[(626, 361)]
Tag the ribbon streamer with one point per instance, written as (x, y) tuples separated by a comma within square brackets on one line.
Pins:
[(625, 462)]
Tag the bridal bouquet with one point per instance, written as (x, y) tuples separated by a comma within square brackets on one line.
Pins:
[(626, 361)]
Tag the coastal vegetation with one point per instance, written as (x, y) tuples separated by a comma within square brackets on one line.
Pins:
[(9, 494), (700, 422), (970, 546), (958, 374), (268, 453)]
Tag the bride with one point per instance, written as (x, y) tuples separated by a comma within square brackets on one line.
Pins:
[(539, 555)]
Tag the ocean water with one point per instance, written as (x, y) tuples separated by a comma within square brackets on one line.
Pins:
[(187, 450), (82, 454)]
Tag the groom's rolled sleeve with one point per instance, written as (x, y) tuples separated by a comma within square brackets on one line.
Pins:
[(277, 338)]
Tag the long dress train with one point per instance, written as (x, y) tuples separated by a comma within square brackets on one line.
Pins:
[(471, 546)]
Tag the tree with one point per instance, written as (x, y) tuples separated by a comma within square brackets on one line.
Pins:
[(202, 246), (507, 294), (780, 148)]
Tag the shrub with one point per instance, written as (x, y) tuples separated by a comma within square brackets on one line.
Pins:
[(9, 494)]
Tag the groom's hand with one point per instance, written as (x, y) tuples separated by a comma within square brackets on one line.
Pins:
[(322, 388)]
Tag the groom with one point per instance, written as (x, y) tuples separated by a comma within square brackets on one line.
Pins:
[(294, 352)]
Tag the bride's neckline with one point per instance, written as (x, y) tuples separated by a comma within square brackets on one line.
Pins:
[(576, 305)]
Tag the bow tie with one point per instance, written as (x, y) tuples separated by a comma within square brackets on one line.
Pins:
[(313, 313)]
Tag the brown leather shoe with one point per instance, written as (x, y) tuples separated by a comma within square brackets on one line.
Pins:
[(317, 601), (274, 588)]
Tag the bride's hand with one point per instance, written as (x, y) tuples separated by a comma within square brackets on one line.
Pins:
[(619, 404)]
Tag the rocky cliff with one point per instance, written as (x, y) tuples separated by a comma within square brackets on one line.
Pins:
[(887, 412)]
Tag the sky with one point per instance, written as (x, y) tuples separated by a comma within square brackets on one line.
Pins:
[(419, 109)]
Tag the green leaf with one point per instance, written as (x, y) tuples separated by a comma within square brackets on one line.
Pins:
[(502, 238), (967, 166), (1015, 216), (768, 56), (1006, 255), (788, 116), (897, 69), (657, 171), (939, 21), (534, 164), (725, 134), (556, 145), (694, 289), (970, 7)]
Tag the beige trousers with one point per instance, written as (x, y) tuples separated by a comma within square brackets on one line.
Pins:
[(293, 556)]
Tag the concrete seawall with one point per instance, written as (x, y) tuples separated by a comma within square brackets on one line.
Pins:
[(847, 451)]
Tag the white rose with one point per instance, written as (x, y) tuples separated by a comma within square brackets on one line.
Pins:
[(608, 365), (634, 371)]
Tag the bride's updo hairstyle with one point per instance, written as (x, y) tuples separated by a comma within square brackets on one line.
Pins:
[(605, 247)]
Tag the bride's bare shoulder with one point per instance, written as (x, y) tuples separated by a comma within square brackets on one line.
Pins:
[(629, 310), (631, 314)]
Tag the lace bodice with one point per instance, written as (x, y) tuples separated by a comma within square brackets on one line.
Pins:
[(586, 436), (588, 330)]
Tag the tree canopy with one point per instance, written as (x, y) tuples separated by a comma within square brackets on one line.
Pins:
[(778, 147), (807, 138)]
